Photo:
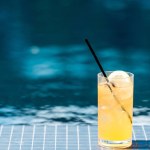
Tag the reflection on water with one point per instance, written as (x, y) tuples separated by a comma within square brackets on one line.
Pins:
[(50, 115)]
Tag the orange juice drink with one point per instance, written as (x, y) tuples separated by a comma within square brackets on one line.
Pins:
[(115, 107)]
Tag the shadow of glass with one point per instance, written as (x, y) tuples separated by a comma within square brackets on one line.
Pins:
[(140, 144), (136, 145)]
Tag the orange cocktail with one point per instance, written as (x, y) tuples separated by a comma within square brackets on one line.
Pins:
[(115, 106)]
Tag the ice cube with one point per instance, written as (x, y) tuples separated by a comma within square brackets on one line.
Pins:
[(120, 79), (123, 84)]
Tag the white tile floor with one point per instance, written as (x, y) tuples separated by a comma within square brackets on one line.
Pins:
[(62, 137)]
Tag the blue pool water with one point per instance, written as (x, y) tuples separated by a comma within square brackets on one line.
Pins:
[(47, 74), (58, 84)]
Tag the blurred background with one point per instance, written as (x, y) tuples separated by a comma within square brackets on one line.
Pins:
[(47, 74)]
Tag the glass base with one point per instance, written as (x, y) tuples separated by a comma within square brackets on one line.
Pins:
[(116, 144)]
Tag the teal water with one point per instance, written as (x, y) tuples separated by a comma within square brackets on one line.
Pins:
[(59, 84), (47, 74)]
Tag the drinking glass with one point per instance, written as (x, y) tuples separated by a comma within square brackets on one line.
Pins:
[(115, 109)]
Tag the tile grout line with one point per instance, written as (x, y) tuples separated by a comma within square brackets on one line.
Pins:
[(21, 138), (78, 137), (55, 136), (89, 137), (44, 137), (33, 137), (66, 137), (12, 128), (1, 130), (134, 134), (144, 132)]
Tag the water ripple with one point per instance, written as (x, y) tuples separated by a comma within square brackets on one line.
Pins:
[(61, 115)]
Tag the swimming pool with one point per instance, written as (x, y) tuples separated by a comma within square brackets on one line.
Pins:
[(47, 74), (58, 84)]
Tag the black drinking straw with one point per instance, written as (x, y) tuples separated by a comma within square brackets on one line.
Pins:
[(97, 61), (104, 74)]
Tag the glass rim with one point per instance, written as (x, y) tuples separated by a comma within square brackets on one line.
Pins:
[(131, 75)]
